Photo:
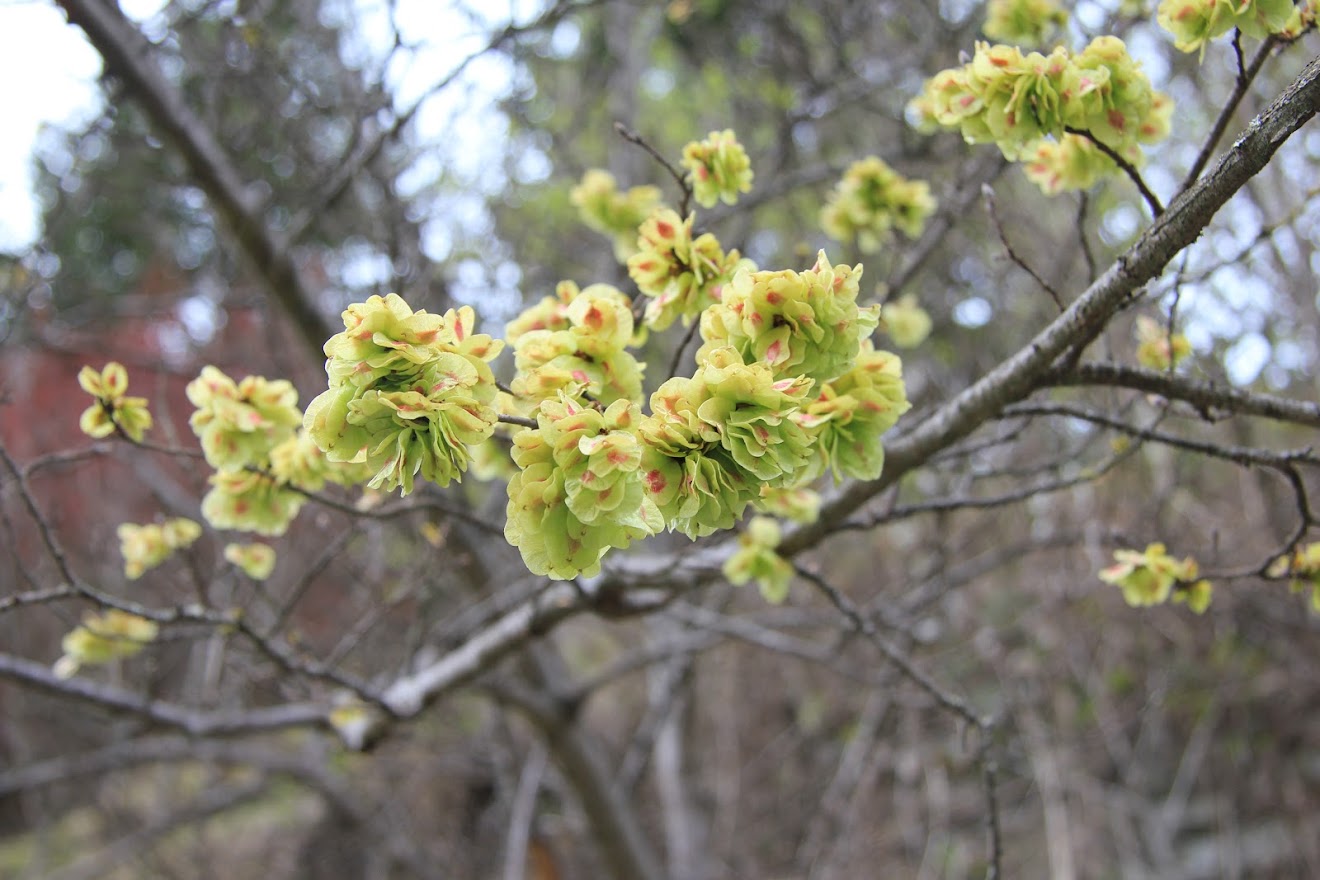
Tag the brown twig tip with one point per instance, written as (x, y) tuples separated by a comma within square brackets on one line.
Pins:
[(522, 421), (680, 178), (988, 194), (1152, 200)]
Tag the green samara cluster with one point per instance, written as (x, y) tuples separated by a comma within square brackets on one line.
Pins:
[(787, 387), (1016, 100), (1023, 22), (610, 212), (682, 275), (1194, 23), (578, 491), (408, 392), (240, 425), (719, 168), (576, 342), (871, 201)]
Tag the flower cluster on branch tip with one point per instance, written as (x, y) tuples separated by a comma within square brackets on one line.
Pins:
[(682, 275), (1194, 23), (103, 637), (871, 201), (408, 392), (1303, 567), (576, 342), (718, 168), (756, 559), (257, 561), (1016, 100), (1152, 576), (1024, 22), (1158, 348), (617, 214), (147, 546), (787, 386), (113, 407)]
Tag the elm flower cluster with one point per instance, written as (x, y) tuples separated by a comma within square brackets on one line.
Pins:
[(906, 322), (239, 423), (851, 413), (1151, 577), (257, 561), (1303, 566), (756, 559), (1072, 163), (798, 504), (147, 546), (1194, 23), (616, 214), (408, 392), (712, 441), (803, 324), (719, 168), (1014, 100), (578, 491), (299, 462), (1157, 348), (1024, 22), (113, 406), (251, 500), (586, 353), (110, 635), (682, 275), (871, 201)]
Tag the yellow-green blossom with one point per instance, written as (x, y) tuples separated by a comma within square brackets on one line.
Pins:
[(239, 423), (256, 560), (906, 322), (113, 406), (616, 214), (1194, 23), (587, 355), (871, 201), (682, 275), (796, 503), (1024, 22), (719, 168), (756, 559), (1148, 578), (578, 490), (408, 392), (250, 501), (104, 637), (797, 323), (1303, 566), (147, 546), (1158, 349)]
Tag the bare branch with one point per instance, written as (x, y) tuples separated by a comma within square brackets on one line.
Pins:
[(1210, 398), (195, 723), (1013, 379), (130, 57)]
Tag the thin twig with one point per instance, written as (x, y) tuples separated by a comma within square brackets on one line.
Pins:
[(1152, 200), (1244, 80), (521, 421), (680, 178), (988, 194)]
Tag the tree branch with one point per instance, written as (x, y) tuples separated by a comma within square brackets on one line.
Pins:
[(1204, 396), (129, 56), (230, 723), (1177, 227)]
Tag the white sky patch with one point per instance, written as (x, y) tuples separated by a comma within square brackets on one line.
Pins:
[(50, 73), (39, 47)]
